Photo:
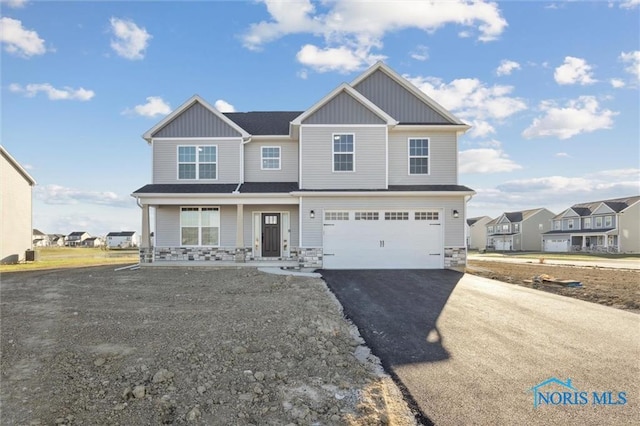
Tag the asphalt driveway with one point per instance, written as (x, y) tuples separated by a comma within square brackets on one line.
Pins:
[(468, 350)]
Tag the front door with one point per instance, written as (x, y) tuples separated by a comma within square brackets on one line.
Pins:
[(270, 234)]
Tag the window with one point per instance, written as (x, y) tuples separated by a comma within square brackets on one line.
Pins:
[(570, 223), (433, 216), (336, 216), (197, 162), (396, 215), (343, 153), (418, 156), (608, 221), (199, 226), (599, 222), (516, 227), (557, 225), (367, 216), (505, 227), (270, 158), (587, 222), (491, 229)]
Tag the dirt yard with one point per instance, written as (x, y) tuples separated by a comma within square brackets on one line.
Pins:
[(184, 346), (619, 288)]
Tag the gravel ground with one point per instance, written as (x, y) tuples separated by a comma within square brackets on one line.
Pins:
[(184, 345)]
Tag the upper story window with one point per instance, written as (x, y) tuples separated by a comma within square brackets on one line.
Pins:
[(570, 224), (608, 221), (505, 227), (516, 227), (599, 222), (343, 152), (198, 162), (270, 158), (490, 229), (199, 226), (557, 225), (418, 156), (587, 223)]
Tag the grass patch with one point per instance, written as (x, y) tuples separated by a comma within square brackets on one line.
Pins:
[(74, 257)]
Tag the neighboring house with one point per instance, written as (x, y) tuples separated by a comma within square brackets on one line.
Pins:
[(608, 225), (365, 178), (519, 231), (40, 239), (122, 239), (15, 209), (477, 232), (76, 238), (92, 242), (58, 240)]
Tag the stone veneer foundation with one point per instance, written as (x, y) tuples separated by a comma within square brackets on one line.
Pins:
[(455, 257)]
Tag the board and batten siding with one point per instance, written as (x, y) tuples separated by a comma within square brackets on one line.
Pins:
[(317, 158), (288, 162), (167, 233), (248, 220), (343, 109), (196, 122), (443, 158), (397, 101), (165, 160), (312, 228)]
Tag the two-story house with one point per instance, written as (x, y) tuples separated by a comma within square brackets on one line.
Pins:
[(122, 239), (76, 238), (367, 177), (477, 232), (601, 226), (518, 231)]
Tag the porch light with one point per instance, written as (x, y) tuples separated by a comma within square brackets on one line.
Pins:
[(456, 214), (312, 214)]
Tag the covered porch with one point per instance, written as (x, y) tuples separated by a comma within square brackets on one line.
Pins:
[(595, 242)]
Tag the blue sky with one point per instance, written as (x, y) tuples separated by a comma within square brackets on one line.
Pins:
[(551, 88)]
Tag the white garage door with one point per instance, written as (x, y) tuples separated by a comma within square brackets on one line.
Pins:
[(503, 245), (556, 245), (383, 239)]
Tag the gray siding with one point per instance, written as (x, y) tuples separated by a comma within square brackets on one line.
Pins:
[(248, 221), (288, 162), (167, 233), (317, 158), (343, 109), (15, 211), (397, 101), (531, 231), (196, 122), (629, 230), (312, 228), (165, 160), (443, 158)]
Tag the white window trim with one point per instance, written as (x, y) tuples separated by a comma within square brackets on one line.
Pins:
[(262, 158), (409, 156), (333, 153), (200, 225), (587, 223), (197, 163), (610, 221), (596, 222)]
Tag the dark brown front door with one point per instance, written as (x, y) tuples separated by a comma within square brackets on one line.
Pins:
[(270, 234)]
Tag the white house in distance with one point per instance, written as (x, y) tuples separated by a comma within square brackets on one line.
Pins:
[(15, 209), (40, 239), (598, 226), (519, 231), (92, 242), (477, 232), (76, 238), (122, 239)]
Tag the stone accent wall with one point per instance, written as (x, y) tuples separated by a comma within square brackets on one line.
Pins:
[(207, 254), (146, 255), (310, 257), (455, 257)]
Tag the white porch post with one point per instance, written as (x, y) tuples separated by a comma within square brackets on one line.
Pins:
[(146, 235), (240, 226)]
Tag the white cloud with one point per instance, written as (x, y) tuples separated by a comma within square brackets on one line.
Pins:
[(18, 40), (486, 160), (154, 107), (629, 4), (351, 29), (632, 59), (66, 93), (562, 155), (14, 4), (472, 100), (57, 194), (507, 67), (574, 71), (130, 41), (421, 53), (617, 83), (224, 106), (582, 115)]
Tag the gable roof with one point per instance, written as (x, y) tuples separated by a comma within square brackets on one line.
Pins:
[(380, 66), (17, 166), (515, 217), (38, 232), (148, 135), (472, 220), (344, 87), (77, 233), (615, 204), (264, 122)]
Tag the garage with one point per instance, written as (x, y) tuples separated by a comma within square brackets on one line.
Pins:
[(503, 244), (558, 245), (383, 239)]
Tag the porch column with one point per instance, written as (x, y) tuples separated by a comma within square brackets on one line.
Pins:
[(145, 241), (240, 226), (605, 237)]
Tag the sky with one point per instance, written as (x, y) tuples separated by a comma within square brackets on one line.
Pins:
[(550, 88)]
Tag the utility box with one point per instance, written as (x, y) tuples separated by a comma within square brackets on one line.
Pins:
[(30, 256)]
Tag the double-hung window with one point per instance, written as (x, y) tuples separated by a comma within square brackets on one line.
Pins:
[(343, 152), (587, 223), (418, 156), (270, 158), (198, 162), (608, 221), (199, 226)]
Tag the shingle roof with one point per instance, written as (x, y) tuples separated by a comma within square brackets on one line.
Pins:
[(121, 234), (264, 122), (38, 232), (188, 188), (77, 233), (615, 204), (401, 188), (279, 187), (579, 231), (268, 187), (515, 217)]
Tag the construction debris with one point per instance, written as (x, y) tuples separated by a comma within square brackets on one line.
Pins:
[(548, 279)]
